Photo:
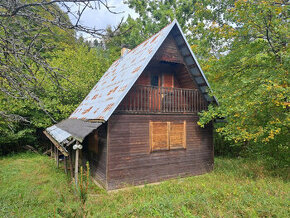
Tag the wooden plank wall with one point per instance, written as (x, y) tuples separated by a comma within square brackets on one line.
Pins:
[(97, 161), (169, 51), (183, 77), (130, 160)]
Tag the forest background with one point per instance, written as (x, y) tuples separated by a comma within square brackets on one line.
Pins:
[(46, 69)]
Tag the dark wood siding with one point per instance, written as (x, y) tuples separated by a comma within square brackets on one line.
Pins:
[(183, 78), (131, 162), (169, 51), (97, 160), (144, 79)]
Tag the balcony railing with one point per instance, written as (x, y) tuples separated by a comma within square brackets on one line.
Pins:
[(153, 99)]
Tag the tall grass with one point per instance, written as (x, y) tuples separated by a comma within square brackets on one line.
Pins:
[(31, 186)]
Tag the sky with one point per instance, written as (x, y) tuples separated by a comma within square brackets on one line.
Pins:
[(100, 19)]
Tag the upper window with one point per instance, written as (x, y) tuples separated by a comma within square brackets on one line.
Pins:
[(154, 80), (167, 135)]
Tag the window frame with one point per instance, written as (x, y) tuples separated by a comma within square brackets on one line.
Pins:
[(160, 79), (169, 146)]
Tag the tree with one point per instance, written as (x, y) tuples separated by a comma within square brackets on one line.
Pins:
[(198, 19), (81, 66), (29, 31), (251, 80), (34, 90)]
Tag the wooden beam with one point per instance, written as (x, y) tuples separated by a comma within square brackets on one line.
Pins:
[(70, 164), (183, 45), (191, 66), (57, 158), (54, 150), (202, 84), (65, 165), (57, 145), (187, 55), (72, 141)]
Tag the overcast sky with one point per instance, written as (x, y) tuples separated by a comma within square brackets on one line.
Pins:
[(100, 19)]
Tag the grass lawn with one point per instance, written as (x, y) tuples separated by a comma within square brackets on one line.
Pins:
[(31, 186)]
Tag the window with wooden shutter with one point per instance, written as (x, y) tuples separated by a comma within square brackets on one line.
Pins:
[(177, 137), (159, 136), (167, 135)]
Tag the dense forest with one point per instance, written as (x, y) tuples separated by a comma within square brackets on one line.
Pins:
[(243, 48)]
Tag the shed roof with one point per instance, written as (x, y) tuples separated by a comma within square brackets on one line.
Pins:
[(58, 134)]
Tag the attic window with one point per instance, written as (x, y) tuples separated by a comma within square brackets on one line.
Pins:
[(167, 135)]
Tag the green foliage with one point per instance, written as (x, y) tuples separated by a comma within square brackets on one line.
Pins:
[(251, 81), (30, 185), (223, 147), (81, 67), (198, 20)]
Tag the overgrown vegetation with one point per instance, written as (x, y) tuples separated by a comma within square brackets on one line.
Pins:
[(242, 46), (46, 71), (31, 186)]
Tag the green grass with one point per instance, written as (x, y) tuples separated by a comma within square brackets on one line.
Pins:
[(31, 186)]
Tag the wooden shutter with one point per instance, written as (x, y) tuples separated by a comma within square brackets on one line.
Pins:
[(159, 136), (177, 136)]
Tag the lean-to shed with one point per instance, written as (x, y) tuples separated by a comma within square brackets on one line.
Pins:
[(139, 122)]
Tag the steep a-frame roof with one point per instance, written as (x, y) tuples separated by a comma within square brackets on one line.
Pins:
[(107, 94), (110, 90)]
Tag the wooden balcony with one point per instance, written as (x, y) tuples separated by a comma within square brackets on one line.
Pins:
[(151, 99)]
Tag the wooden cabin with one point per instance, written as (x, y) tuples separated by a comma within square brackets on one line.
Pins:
[(142, 116)]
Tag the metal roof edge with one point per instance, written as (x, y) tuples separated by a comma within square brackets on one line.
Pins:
[(195, 59), (57, 144)]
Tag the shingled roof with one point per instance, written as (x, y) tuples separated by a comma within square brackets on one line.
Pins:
[(110, 90)]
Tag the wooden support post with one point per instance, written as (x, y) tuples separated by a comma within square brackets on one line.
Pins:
[(70, 164), (65, 164), (51, 151), (76, 166), (57, 158), (55, 153)]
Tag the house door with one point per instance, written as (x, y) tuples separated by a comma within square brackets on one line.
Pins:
[(156, 92)]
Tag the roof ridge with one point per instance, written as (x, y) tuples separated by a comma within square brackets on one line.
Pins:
[(151, 36), (145, 40)]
